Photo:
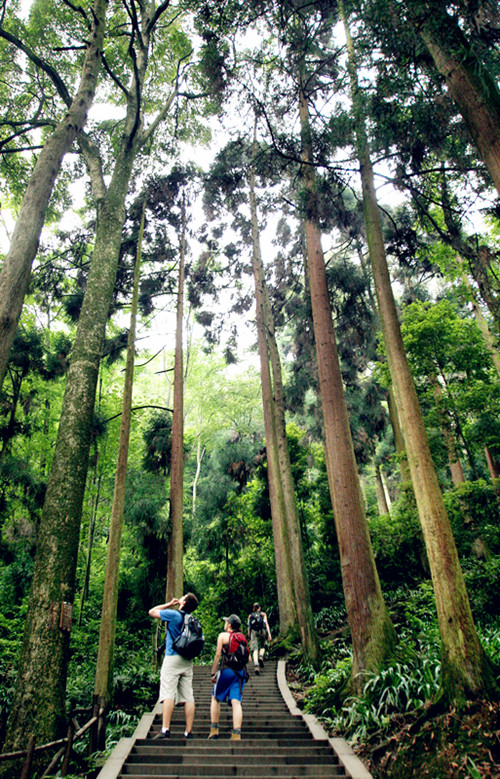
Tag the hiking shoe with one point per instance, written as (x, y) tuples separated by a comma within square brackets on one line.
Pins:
[(261, 662), (161, 734), (235, 737), (213, 735)]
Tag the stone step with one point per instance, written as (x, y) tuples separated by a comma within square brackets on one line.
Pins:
[(269, 770)]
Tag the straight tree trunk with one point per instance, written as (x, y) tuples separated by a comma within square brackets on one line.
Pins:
[(103, 684), (465, 670), (383, 506), (176, 542), (265, 325), (456, 470), (41, 680), (398, 436), (373, 635), (16, 270)]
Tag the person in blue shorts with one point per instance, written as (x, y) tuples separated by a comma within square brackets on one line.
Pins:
[(176, 679), (228, 685)]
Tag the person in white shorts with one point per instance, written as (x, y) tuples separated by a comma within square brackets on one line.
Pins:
[(176, 678)]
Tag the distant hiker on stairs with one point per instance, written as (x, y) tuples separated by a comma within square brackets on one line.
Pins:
[(176, 678), (232, 653), (259, 634)]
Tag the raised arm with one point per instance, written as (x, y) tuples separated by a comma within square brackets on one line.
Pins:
[(155, 611)]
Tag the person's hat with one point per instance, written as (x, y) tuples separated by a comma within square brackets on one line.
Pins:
[(233, 620)]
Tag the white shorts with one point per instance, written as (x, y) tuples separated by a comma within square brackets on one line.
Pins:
[(176, 679)]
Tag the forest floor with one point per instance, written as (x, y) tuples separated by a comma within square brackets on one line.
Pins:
[(431, 742)]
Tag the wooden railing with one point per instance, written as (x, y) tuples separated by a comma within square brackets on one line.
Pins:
[(64, 752)]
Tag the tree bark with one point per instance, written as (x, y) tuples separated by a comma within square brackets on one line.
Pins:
[(373, 635), (465, 669), (176, 543), (16, 270)]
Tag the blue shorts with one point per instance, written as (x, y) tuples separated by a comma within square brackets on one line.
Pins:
[(229, 685)]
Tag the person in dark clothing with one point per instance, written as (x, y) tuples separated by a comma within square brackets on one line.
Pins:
[(259, 634)]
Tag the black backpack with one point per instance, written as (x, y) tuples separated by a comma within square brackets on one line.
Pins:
[(256, 621), (191, 641), (237, 653)]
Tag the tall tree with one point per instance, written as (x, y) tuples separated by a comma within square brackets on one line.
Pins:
[(176, 540), (15, 273), (103, 684), (268, 350), (41, 680), (465, 669)]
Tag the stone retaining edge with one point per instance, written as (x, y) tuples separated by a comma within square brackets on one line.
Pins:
[(354, 767), (111, 769)]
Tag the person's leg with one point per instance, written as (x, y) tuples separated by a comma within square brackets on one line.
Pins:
[(167, 711), (254, 648), (214, 718), (237, 720), (189, 714)]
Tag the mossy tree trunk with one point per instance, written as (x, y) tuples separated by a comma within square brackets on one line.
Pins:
[(41, 680), (373, 635), (465, 670), (16, 269)]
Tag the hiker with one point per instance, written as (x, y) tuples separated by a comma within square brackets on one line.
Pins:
[(258, 634), (176, 678), (229, 682)]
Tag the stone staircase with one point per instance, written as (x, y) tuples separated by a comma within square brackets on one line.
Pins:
[(277, 739)]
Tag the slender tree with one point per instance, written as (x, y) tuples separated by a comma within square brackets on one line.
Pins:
[(176, 540), (290, 563), (103, 685)]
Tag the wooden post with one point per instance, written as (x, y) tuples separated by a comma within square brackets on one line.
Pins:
[(26, 771), (67, 755)]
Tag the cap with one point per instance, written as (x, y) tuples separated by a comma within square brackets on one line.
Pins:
[(233, 620)]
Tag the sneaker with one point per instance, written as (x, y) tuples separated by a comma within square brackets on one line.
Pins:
[(161, 734), (261, 662), (257, 670), (187, 736)]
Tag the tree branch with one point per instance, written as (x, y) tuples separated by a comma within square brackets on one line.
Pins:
[(51, 72)]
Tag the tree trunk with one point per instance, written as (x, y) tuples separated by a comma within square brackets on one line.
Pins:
[(199, 457), (265, 324), (103, 685), (465, 670), (16, 270), (456, 470), (383, 506), (398, 436), (469, 83), (373, 634), (41, 681), (176, 542)]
